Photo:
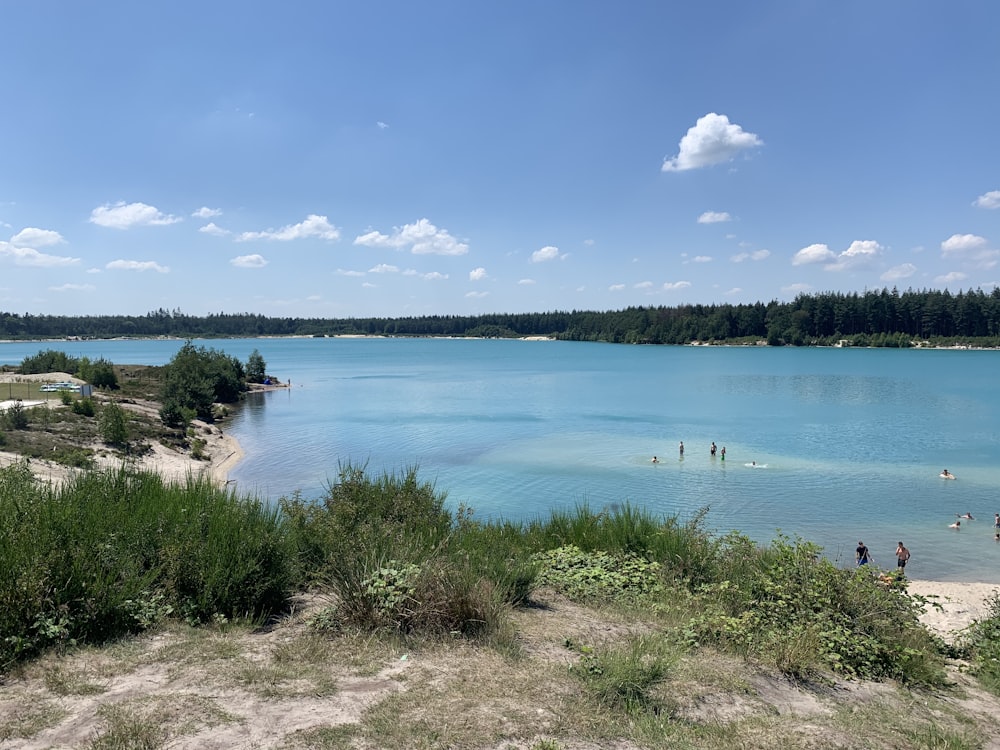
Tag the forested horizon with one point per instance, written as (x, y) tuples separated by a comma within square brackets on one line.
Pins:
[(873, 318)]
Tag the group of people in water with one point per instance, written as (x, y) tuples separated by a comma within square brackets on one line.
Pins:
[(712, 452), (969, 517)]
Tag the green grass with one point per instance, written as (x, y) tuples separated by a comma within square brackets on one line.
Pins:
[(115, 552)]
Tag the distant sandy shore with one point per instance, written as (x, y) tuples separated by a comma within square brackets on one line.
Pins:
[(222, 451)]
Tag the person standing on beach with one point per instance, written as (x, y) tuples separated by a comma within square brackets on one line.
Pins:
[(861, 554), (902, 555)]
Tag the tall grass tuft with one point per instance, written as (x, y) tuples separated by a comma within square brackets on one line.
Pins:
[(110, 552)]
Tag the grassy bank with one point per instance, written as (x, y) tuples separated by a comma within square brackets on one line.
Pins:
[(119, 552)]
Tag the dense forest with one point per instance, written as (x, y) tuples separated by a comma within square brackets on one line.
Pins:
[(874, 318)]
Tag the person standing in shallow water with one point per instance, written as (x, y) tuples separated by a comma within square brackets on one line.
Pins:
[(682, 448), (902, 555), (861, 554), (713, 454)]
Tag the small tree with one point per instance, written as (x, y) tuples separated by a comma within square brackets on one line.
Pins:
[(113, 425), (256, 368)]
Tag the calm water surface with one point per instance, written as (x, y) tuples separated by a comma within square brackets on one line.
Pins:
[(848, 442)]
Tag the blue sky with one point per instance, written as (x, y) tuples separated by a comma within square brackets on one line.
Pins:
[(398, 158)]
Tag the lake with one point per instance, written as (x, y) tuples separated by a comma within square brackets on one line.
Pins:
[(832, 445)]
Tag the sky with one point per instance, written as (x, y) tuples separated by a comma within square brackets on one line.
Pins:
[(381, 158)]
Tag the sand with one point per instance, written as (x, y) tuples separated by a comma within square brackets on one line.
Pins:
[(960, 604), (222, 451)]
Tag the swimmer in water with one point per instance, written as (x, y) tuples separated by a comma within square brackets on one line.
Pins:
[(956, 525)]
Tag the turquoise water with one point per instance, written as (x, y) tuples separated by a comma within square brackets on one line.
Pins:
[(849, 442)]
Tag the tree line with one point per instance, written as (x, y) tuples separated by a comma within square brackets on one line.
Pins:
[(873, 318)]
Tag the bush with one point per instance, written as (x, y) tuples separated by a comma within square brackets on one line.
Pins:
[(15, 417), (83, 406), (110, 551), (113, 425), (981, 646)]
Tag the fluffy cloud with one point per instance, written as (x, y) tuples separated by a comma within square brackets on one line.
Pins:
[(702, 259), (32, 237), (950, 278), (423, 238), (73, 288), (988, 200), (896, 273), (214, 229), (813, 254), (249, 261), (643, 285), (477, 274), (343, 272), (859, 253), (526, 282), (314, 227), (384, 268), (123, 215), (206, 213), (546, 253), (671, 286), (961, 243), (714, 217), (616, 287), (136, 265), (476, 295), (26, 256), (796, 288), (755, 255), (712, 140)]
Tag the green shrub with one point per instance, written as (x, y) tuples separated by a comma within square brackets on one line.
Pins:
[(83, 406), (598, 576), (623, 678), (15, 417), (109, 552), (981, 646), (788, 605)]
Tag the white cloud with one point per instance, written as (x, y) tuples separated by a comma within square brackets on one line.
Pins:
[(950, 278), (383, 268), (702, 259), (249, 261), (526, 282), (902, 271), (960, 243), (214, 229), (670, 286), (714, 217), (26, 256), (434, 276), (206, 213), (857, 254), (616, 287), (123, 215), (314, 226), (344, 272), (32, 237), (73, 288), (545, 254), (813, 254), (643, 285), (734, 290), (137, 265), (988, 200), (381, 125), (477, 274), (712, 140), (423, 238), (476, 295), (756, 255)]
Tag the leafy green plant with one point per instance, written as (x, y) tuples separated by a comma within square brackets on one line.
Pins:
[(598, 575)]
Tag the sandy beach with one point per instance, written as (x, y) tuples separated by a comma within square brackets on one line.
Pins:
[(960, 604), (222, 452)]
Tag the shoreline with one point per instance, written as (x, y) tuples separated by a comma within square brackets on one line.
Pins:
[(953, 605)]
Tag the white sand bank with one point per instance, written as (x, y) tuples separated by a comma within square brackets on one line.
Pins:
[(961, 603)]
